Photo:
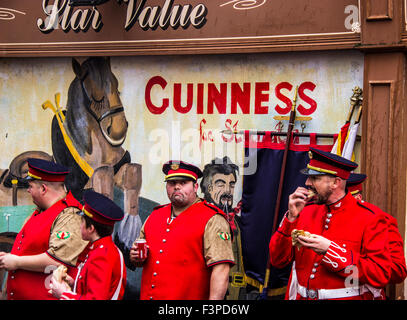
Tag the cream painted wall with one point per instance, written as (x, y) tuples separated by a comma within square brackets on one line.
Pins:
[(152, 139)]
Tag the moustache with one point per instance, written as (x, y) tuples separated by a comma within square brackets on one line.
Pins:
[(226, 196)]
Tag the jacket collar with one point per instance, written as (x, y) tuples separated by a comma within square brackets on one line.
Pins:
[(99, 243), (341, 203)]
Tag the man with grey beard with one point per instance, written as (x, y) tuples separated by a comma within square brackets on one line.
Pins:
[(218, 185)]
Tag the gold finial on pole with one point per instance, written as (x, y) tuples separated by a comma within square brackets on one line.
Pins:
[(354, 101)]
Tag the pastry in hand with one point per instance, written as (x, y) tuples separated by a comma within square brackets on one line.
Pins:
[(60, 273), (294, 237), (310, 195)]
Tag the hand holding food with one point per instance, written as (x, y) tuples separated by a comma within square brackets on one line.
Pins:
[(58, 281), (310, 195), (296, 202), (60, 273)]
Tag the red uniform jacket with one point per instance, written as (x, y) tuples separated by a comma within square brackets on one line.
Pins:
[(358, 248), (102, 276), (175, 268), (398, 261), (33, 239)]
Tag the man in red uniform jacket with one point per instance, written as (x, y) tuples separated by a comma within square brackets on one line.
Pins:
[(49, 238), (190, 247), (347, 247), (398, 265), (102, 275)]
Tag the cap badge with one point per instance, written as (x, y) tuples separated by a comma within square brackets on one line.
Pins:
[(175, 166), (310, 154)]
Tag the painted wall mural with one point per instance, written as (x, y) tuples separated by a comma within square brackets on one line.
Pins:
[(141, 111)]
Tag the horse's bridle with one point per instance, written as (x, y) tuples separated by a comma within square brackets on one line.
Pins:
[(109, 113)]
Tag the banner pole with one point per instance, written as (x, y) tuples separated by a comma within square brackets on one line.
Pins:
[(284, 164), (264, 288)]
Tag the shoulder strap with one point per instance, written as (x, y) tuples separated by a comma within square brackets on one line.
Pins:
[(71, 201), (117, 292), (57, 207), (364, 206), (213, 207), (292, 290)]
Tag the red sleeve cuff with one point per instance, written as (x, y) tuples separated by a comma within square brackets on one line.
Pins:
[(286, 227), (232, 263), (59, 260), (337, 258)]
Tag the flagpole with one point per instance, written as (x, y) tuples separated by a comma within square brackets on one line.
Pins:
[(281, 183), (359, 114), (340, 141), (349, 145), (284, 164)]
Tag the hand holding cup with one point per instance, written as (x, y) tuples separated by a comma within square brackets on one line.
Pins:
[(139, 251)]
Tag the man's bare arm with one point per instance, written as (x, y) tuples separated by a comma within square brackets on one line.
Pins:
[(219, 281), (36, 263)]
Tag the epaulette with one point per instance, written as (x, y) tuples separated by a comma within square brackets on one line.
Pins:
[(217, 210), (223, 214), (365, 207), (70, 201), (213, 207)]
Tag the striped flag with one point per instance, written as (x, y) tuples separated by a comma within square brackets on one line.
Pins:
[(347, 151), (340, 142), (345, 142)]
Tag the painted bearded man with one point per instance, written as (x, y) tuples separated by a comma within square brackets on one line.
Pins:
[(218, 185)]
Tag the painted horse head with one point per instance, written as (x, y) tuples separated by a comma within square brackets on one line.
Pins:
[(95, 88), (94, 121)]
